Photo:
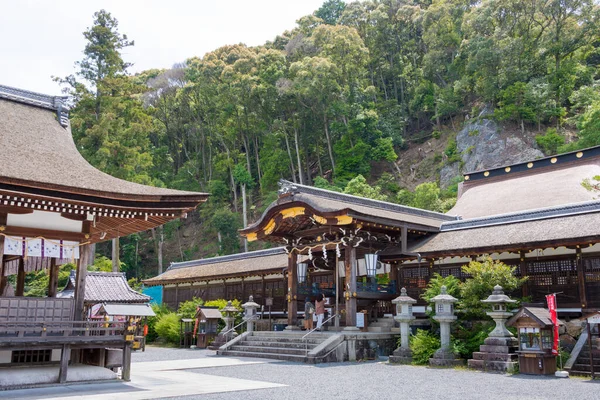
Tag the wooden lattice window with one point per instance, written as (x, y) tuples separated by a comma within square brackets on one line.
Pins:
[(31, 356)]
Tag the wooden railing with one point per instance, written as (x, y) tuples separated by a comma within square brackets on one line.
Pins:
[(12, 332)]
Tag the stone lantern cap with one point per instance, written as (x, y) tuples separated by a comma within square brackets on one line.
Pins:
[(250, 303), (498, 297), (229, 308), (403, 298), (444, 297)]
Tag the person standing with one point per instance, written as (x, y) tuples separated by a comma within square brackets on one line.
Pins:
[(320, 310), (309, 310)]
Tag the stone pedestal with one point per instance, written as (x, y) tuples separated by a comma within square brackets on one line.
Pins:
[(401, 356), (497, 354), (445, 358)]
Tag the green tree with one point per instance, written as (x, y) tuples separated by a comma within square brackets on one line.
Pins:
[(331, 11), (359, 187), (483, 276)]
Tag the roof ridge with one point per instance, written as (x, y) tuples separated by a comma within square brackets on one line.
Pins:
[(291, 187), (229, 257), (533, 165), (523, 216), (34, 98)]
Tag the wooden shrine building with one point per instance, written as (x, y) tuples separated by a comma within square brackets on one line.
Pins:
[(53, 207), (542, 216)]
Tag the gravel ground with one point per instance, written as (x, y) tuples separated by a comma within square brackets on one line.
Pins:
[(382, 381), (155, 353)]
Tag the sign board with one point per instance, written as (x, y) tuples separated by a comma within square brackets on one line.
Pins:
[(269, 301), (360, 320)]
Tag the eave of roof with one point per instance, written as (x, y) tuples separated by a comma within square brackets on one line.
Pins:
[(260, 262)]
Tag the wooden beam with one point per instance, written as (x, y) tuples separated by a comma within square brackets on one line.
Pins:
[(350, 285), (581, 278), (20, 290), (82, 264), (404, 239), (524, 273), (53, 281), (46, 233), (126, 371), (292, 290), (64, 362)]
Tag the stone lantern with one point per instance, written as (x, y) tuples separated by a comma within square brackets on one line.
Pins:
[(498, 351), (444, 314), (499, 300), (404, 315), (229, 313), (250, 314)]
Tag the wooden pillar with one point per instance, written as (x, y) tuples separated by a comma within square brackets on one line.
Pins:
[(263, 291), (53, 281), (244, 288), (20, 290), (524, 273), (350, 286), (126, 371), (64, 362), (82, 264), (581, 277), (394, 275), (292, 291), (404, 239), (176, 296), (225, 289)]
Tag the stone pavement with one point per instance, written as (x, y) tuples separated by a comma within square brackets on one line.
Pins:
[(153, 380)]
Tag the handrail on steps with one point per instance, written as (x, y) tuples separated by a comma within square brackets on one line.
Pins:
[(230, 330), (314, 329)]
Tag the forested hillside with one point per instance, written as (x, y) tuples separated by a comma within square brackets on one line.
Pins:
[(340, 101)]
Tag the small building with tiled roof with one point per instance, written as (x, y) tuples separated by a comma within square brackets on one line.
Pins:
[(104, 287)]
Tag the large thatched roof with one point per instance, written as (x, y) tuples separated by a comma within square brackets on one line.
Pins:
[(41, 169), (260, 262), (547, 182)]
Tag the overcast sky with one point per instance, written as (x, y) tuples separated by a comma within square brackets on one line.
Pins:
[(39, 39)]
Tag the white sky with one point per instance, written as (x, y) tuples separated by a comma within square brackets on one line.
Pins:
[(40, 39)]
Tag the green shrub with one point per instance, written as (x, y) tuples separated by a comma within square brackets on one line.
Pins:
[(168, 327), (550, 142), (434, 287), (159, 310), (467, 339), (423, 345), (187, 309), (436, 134)]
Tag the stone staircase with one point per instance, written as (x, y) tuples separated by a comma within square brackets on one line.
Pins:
[(288, 346)]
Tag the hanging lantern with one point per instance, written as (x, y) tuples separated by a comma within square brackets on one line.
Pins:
[(302, 269), (371, 263)]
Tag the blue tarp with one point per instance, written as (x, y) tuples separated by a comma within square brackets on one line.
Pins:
[(155, 292)]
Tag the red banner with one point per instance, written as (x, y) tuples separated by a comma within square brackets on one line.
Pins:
[(551, 299)]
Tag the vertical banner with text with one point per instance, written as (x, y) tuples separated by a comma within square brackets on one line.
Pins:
[(551, 300)]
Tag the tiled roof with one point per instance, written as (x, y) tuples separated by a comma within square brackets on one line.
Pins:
[(105, 287)]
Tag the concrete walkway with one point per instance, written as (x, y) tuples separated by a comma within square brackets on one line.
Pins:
[(150, 380)]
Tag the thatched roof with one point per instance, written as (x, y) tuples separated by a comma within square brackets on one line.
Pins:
[(547, 182), (105, 287), (515, 234), (261, 262), (41, 169)]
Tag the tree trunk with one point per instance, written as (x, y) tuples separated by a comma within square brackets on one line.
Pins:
[(298, 155), (289, 151), (161, 241), (115, 255), (232, 181), (257, 160), (329, 148), (245, 214)]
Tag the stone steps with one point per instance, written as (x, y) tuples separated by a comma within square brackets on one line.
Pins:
[(288, 346), (269, 350), (284, 357)]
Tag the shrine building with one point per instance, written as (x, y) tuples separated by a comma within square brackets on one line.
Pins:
[(53, 207)]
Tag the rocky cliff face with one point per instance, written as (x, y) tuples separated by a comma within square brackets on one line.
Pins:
[(482, 145)]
